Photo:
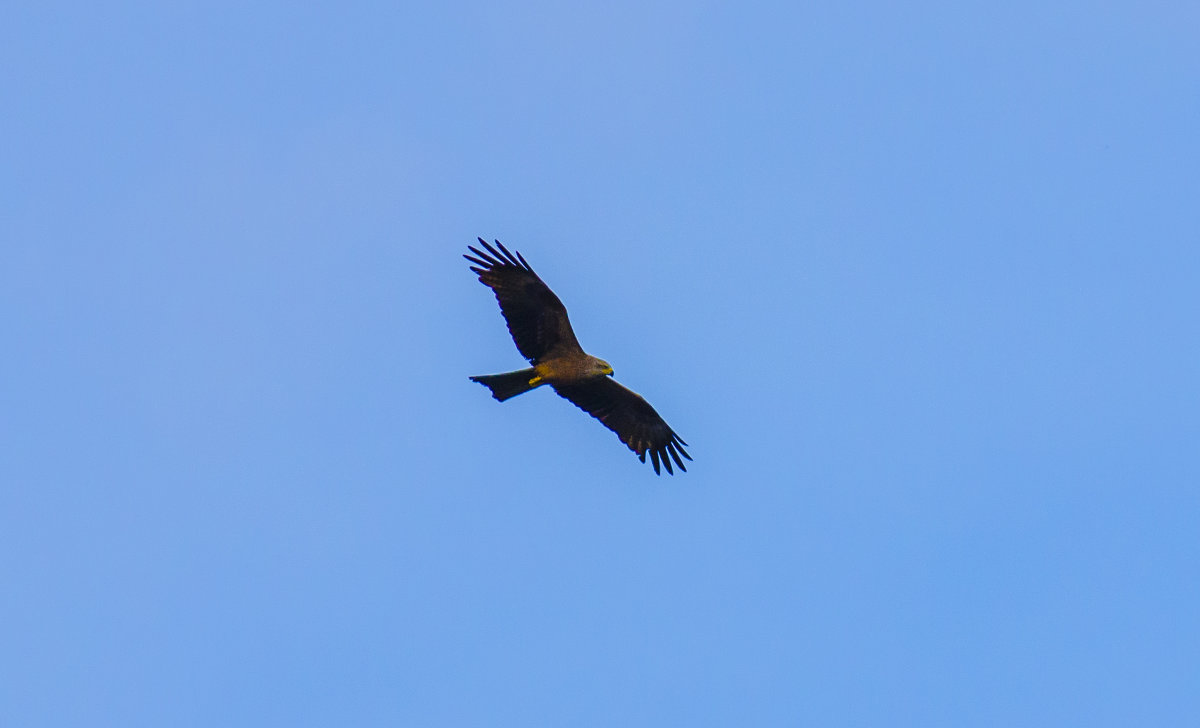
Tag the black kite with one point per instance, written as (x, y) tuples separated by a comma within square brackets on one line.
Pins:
[(539, 326)]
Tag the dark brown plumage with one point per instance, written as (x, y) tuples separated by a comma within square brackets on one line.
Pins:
[(540, 328)]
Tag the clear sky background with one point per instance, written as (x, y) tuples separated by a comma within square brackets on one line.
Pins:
[(918, 282)]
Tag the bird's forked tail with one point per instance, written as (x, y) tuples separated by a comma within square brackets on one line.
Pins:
[(506, 386)]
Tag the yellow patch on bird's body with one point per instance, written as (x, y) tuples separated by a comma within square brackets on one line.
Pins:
[(543, 374)]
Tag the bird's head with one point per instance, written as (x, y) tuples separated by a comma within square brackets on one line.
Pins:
[(602, 367)]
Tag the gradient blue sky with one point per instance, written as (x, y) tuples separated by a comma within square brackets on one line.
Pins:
[(917, 281)]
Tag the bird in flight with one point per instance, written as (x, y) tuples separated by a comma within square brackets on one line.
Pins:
[(539, 326)]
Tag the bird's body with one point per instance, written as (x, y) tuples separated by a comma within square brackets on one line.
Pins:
[(570, 369), (540, 328)]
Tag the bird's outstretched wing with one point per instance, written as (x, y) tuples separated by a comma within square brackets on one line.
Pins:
[(536, 318), (633, 419)]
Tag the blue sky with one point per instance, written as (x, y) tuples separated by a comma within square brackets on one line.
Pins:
[(917, 282)]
